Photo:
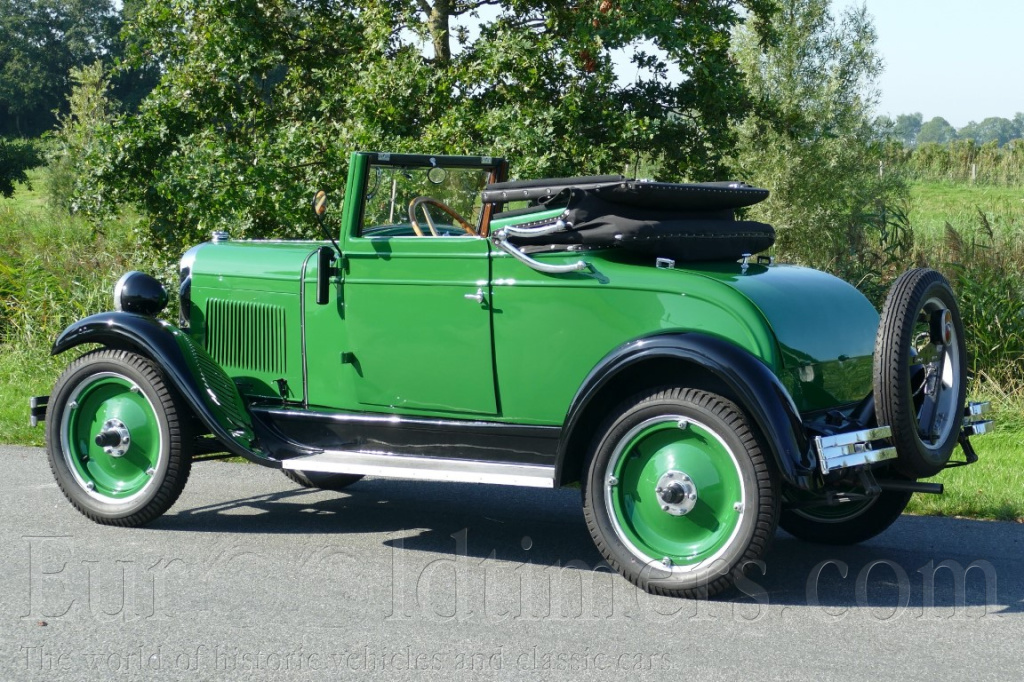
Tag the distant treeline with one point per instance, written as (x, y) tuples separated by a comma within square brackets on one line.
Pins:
[(963, 161), (990, 152), (912, 130)]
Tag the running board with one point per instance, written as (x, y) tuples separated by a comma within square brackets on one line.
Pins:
[(424, 468)]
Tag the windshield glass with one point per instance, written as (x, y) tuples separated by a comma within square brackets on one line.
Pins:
[(390, 190)]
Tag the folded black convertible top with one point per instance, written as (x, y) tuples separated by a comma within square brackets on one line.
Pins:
[(687, 222)]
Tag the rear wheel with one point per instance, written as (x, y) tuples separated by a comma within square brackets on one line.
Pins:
[(679, 496), (846, 523), (118, 438), (321, 481)]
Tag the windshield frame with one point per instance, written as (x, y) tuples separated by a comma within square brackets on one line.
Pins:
[(496, 169)]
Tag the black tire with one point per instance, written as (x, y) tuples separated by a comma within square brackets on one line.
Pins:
[(140, 478), (665, 445), (847, 523), (920, 380), (320, 480)]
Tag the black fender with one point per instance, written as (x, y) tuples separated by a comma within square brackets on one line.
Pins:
[(207, 389), (749, 381)]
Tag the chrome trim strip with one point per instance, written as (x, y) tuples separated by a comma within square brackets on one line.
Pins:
[(853, 448), (539, 431), (302, 328), (500, 239), (558, 226), (424, 468)]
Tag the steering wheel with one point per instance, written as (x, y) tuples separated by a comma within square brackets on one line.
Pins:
[(420, 201)]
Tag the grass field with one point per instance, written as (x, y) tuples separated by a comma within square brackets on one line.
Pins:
[(71, 266), (28, 198), (933, 204)]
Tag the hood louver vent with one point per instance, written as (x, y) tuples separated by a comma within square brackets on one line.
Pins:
[(246, 335)]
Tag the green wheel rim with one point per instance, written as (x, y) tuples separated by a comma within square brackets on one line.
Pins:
[(673, 445), (96, 400)]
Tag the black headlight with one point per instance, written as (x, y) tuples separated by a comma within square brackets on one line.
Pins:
[(137, 292)]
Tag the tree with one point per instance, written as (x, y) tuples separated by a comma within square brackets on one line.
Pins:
[(907, 127), (40, 42), (89, 109), (16, 157), (992, 129), (811, 140), (937, 130), (259, 102)]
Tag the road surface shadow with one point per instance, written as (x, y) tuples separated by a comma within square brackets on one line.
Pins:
[(947, 567)]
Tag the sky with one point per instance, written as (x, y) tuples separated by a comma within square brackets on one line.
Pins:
[(963, 61)]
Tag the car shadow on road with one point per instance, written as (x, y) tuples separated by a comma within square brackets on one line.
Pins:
[(942, 566)]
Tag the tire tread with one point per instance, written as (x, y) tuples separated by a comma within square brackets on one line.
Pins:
[(764, 527), (179, 429)]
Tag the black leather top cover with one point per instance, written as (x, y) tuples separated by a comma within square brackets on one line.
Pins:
[(694, 223)]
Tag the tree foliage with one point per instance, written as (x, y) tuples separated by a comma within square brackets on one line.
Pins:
[(812, 143), (40, 42), (260, 101), (937, 130), (992, 129), (16, 157), (89, 110), (906, 128)]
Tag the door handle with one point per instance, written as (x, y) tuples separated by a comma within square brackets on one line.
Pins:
[(478, 296)]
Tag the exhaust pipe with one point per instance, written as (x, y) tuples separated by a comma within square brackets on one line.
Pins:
[(912, 486)]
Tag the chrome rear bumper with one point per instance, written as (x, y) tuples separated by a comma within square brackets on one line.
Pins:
[(854, 448), (975, 423)]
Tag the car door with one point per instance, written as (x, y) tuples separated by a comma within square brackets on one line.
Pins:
[(418, 320)]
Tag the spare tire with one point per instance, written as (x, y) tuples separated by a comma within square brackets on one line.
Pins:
[(920, 371)]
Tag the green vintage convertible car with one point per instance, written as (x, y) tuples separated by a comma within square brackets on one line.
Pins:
[(600, 331)]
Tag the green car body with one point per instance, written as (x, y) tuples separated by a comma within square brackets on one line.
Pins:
[(443, 354)]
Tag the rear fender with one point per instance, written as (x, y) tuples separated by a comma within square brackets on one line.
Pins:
[(748, 380), (207, 389)]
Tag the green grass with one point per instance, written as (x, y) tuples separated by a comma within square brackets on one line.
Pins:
[(24, 372), (933, 204), (28, 198), (991, 488)]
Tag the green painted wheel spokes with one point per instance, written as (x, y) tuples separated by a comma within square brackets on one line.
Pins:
[(674, 491), (102, 403)]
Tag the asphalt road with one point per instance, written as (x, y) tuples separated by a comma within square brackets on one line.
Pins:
[(249, 577)]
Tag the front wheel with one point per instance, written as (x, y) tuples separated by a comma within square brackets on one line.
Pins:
[(679, 496), (118, 438)]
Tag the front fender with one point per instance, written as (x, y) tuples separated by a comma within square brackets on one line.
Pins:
[(757, 390), (210, 393)]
